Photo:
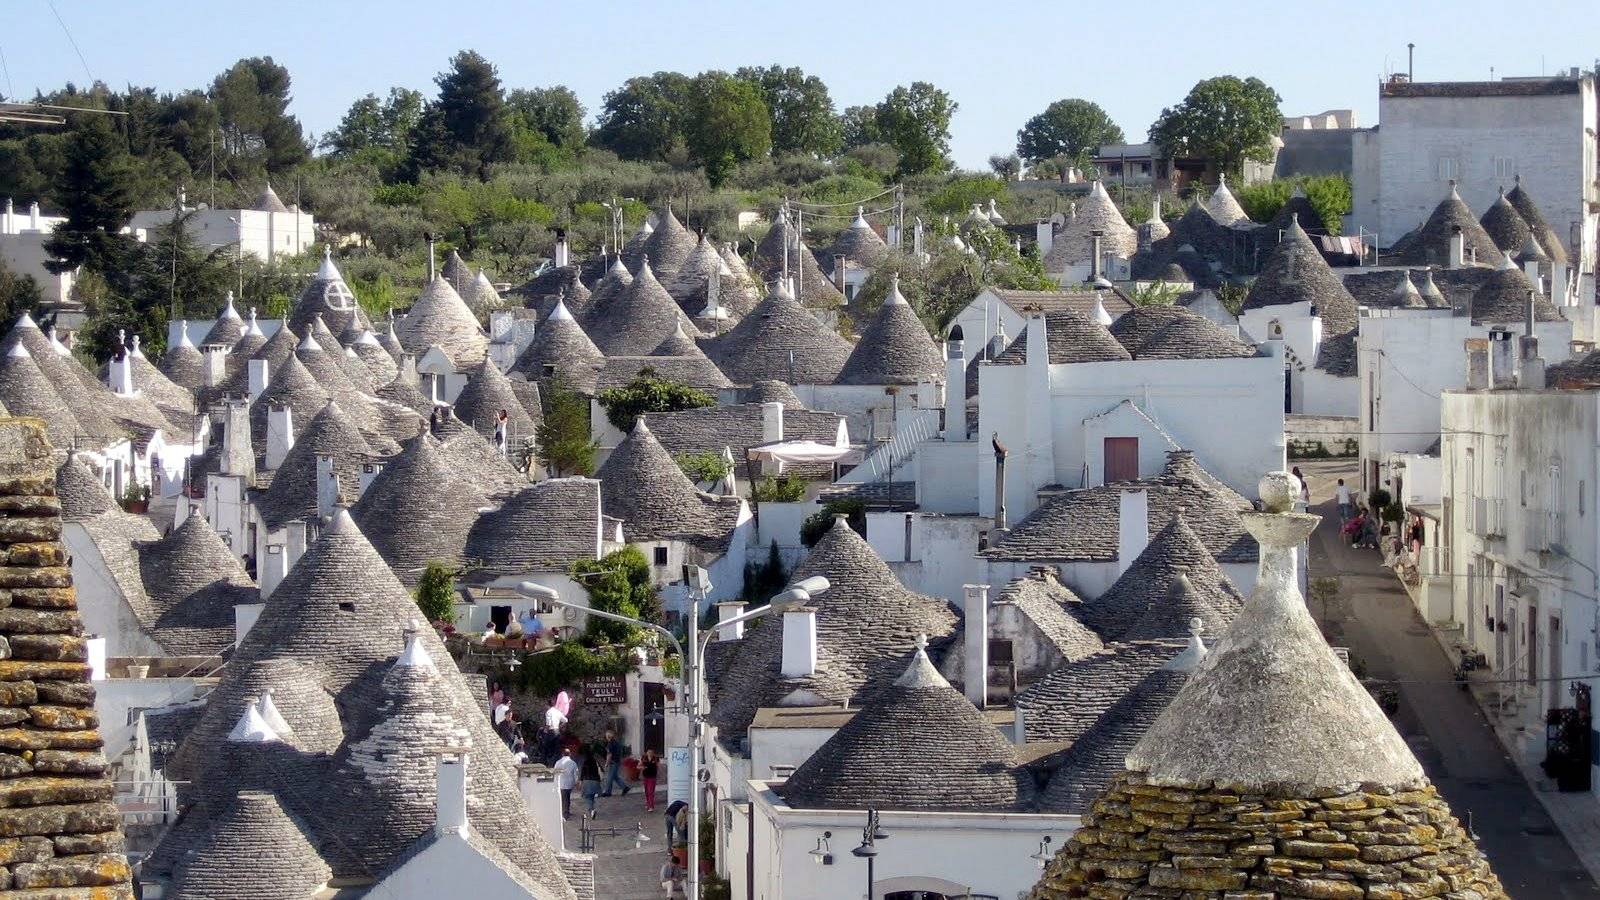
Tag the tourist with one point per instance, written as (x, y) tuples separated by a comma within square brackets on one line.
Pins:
[(671, 875), (566, 779), (589, 775), (1343, 493), (1305, 489), (649, 768), (502, 710), (677, 815), (614, 764)]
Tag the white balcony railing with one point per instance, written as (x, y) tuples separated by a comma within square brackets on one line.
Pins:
[(1434, 561), (1488, 517)]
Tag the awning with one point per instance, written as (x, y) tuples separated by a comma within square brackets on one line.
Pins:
[(805, 452)]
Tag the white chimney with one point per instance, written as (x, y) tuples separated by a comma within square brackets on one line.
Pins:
[(327, 487), (955, 385), (214, 358), (1019, 731), (451, 783), (257, 369), (1133, 527), (975, 667), (33, 215), (11, 209), (726, 610), (245, 616), (271, 569), (916, 237), (1558, 284), (181, 511), (1502, 359), (280, 434), (296, 541), (1038, 342), (799, 643), (1458, 247), (1044, 234), (120, 373), (563, 251), (771, 422)]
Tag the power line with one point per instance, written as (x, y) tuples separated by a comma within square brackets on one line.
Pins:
[(10, 91), (68, 32)]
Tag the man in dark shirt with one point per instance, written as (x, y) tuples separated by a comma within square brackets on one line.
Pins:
[(613, 765)]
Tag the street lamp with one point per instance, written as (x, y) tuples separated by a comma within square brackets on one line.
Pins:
[(796, 595), (870, 836), (823, 854), (1043, 856)]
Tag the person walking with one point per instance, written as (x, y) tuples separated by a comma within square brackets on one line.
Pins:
[(649, 769), (566, 779), (676, 808), (589, 775), (613, 765), (1342, 493), (1305, 487)]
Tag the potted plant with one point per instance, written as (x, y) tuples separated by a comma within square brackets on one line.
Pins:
[(136, 499)]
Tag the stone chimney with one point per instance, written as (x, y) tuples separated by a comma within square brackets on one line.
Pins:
[(238, 454), (1458, 247), (1133, 526), (1530, 365), (1095, 238), (975, 667), (1477, 350), (214, 364), (280, 435), (1502, 359), (327, 487), (64, 833), (955, 385), (451, 784), (799, 643)]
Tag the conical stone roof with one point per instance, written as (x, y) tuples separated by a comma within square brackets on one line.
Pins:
[(267, 201), (482, 298), (1503, 297), (1175, 579), (402, 392), (381, 366), (1549, 241), (1504, 224), (326, 295), (642, 485), (182, 363), (561, 350), (26, 392), (1075, 244), (637, 320), (292, 386), (780, 339), (257, 851), (1429, 244), (920, 745), (293, 492), (92, 402), (816, 291), (1224, 207), (441, 318), (419, 509), (670, 244), (193, 582), (1273, 720), (894, 348), (1295, 272), (338, 618), (678, 344), (229, 326), (81, 493), (864, 612), (859, 244), (485, 394), (456, 271)]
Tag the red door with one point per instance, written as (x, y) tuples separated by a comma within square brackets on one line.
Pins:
[(1122, 459)]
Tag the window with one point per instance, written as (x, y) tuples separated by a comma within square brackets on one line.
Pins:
[(1449, 168), (1505, 168), (661, 556)]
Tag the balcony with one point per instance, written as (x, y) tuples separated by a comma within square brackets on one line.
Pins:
[(1434, 562)]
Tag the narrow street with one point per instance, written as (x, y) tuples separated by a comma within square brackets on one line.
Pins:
[(624, 868), (1375, 619)]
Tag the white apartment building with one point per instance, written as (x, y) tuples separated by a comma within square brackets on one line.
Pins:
[(22, 238), (1516, 578), (267, 229)]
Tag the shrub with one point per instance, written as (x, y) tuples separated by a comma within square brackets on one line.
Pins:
[(817, 524), (648, 392), (436, 593), (784, 489), (618, 582), (563, 435), (703, 465), (762, 580), (553, 671)]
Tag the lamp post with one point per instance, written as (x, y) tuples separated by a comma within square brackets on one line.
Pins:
[(797, 594), (870, 836)]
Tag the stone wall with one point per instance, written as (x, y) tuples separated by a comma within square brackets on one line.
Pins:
[(60, 833), (1150, 841)]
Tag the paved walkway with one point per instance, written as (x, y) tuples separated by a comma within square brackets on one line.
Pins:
[(623, 868), (1444, 726)]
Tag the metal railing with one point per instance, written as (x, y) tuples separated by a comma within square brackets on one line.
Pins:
[(1488, 516), (1434, 561), (147, 802), (912, 428)]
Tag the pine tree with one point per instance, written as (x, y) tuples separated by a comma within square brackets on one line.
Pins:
[(466, 128), (96, 193)]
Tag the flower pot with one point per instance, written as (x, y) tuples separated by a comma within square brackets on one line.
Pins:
[(138, 671)]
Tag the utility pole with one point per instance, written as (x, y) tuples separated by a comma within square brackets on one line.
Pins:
[(213, 168), (172, 285)]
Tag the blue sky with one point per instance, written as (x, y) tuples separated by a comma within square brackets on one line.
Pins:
[(1002, 62)]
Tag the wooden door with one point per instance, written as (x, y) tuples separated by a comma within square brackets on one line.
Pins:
[(1121, 459)]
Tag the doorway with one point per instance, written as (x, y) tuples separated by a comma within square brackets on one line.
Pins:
[(653, 728), (1552, 661), (500, 618), (1499, 626), (1121, 459)]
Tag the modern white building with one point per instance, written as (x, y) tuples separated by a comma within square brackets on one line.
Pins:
[(1482, 135), (268, 228), (22, 250)]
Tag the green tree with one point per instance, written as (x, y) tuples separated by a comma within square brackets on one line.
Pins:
[(1006, 167), (726, 124), (436, 593), (376, 130), (915, 121), (803, 120), (858, 127), (18, 293), (553, 112), (618, 582), (94, 192), (252, 101), (466, 129), (643, 119), (648, 392), (817, 524), (1070, 127), (1226, 120), (563, 435)]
